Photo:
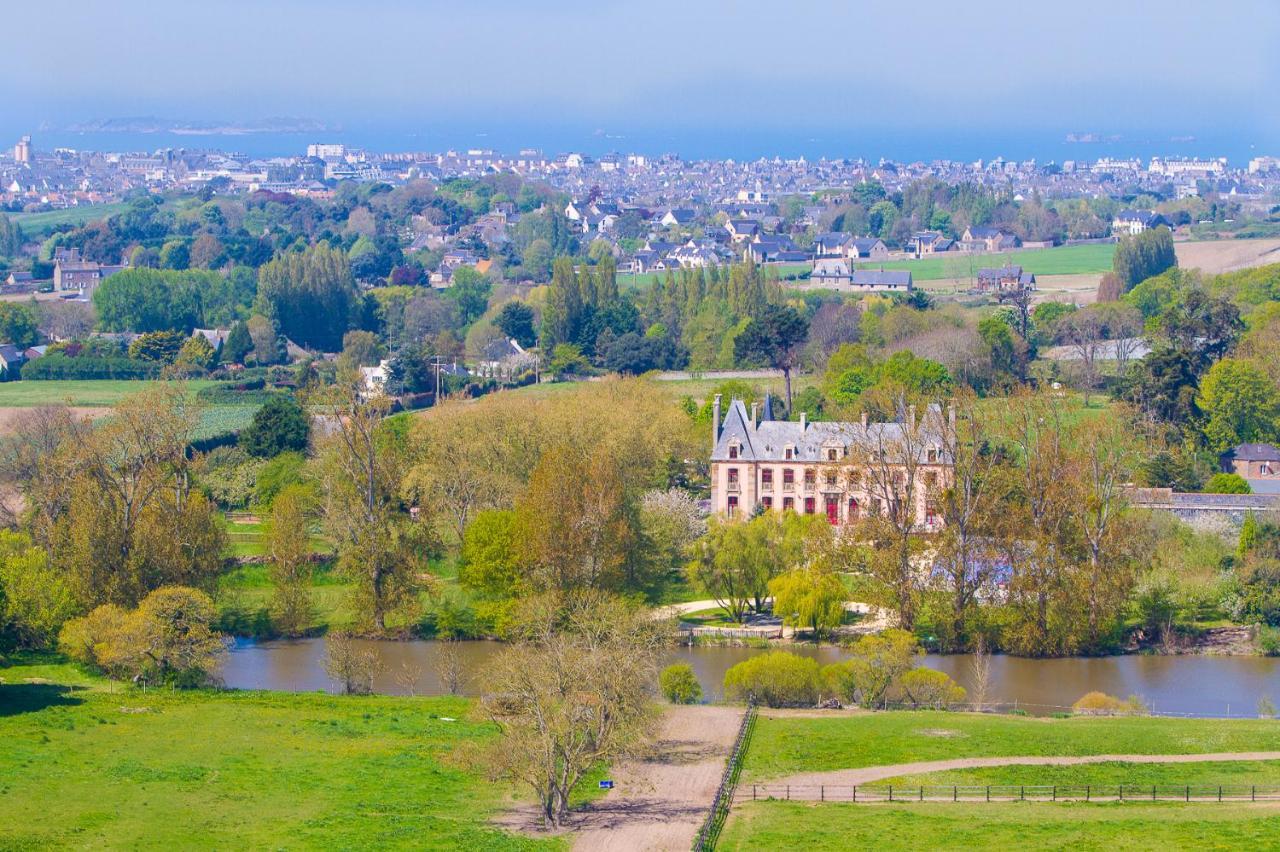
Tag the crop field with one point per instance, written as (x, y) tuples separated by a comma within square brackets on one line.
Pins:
[(40, 224), (77, 392)]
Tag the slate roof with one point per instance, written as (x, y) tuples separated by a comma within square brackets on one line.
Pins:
[(768, 439), (881, 278), (1254, 452)]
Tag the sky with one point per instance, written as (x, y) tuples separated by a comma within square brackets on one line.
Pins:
[(698, 67)]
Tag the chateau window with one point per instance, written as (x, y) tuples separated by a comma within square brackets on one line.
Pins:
[(766, 477), (789, 453), (831, 477), (766, 501), (931, 479), (733, 451), (855, 479), (832, 455), (809, 505), (810, 476), (733, 506), (788, 479), (932, 455), (733, 476), (788, 504)]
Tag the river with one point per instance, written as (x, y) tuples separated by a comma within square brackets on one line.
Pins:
[(1190, 685)]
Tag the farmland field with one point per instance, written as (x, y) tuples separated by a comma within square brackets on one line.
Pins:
[(80, 392), (39, 224)]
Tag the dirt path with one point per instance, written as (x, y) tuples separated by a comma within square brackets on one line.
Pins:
[(658, 803), (870, 774)]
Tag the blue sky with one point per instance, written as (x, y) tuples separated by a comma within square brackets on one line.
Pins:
[(1170, 67)]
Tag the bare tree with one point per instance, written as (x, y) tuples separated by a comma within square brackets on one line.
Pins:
[(886, 460), (572, 691), (1083, 332), (353, 666), (449, 666), (980, 675)]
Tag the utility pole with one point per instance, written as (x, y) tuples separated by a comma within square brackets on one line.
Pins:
[(437, 364)]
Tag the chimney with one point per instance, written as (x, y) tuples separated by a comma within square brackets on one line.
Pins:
[(755, 407), (864, 419), (804, 420), (715, 421)]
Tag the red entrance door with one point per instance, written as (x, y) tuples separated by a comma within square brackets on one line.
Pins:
[(833, 510)]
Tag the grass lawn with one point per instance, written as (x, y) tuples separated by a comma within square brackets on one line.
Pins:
[(1265, 773), (784, 745), (85, 392), (796, 825), (1061, 260), (91, 764), (40, 224)]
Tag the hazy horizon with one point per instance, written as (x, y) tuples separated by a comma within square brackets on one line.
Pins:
[(765, 79)]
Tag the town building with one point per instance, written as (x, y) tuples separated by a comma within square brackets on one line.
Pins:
[(1134, 222), (1257, 464), (1004, 279), (835, 273), (762, 464), (73, 274)]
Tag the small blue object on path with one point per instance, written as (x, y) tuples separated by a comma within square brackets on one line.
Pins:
[(606, 785)]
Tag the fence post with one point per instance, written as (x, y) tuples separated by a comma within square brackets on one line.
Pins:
[(1022, 793), (1055, 792), (1087, 792), (955, 793), (855, 792), (1188, 792), (988, 792), (922, 792), (822, 793), (1153, 792), (788, 792), (1122, 792), (1219, 794), (753, 792), (1253, 793), (891, 792)]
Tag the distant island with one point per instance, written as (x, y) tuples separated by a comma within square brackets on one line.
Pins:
[(1092, 138), (149, 124)]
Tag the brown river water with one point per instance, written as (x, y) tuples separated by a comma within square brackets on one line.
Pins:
[(1184, 685)]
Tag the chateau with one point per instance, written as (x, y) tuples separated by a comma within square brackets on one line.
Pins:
[(845, 471)]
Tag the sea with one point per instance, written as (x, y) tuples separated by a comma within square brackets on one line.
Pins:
[(742, 143)]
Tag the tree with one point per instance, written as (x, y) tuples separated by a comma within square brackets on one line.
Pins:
[(563, 312), (1143, 256), (773, 338), (18, 325), (351, 665), (575, 523), (238, 344), (809, 596), (1240, 404), (515, 320), (35, 598), (489, 563), (195, 354), (470, 292), (380, 549), (360, 349), (279, 426), (115, 504), (145, 300), (734, 565), (311, 295), (571, 692), (288, 550), (160, 346)]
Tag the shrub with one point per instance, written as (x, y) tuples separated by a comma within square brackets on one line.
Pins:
[(930, 688), (1269, 640), (679, 684), (169, 638), (877, 666), (276, 475), (279, 426), (350, 665), (1227, 483), (61, 366), (35, 598), (1100, 704), (774, 679)]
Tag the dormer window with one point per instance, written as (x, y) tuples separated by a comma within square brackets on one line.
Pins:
[(733, 451), (789, 453), (931, 455)]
